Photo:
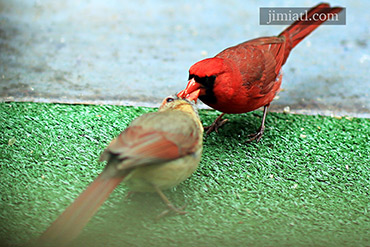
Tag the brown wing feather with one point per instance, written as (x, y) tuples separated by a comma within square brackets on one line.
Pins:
[(154, 138)]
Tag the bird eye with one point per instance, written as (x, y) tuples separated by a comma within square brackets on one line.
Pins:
[(169, 99)]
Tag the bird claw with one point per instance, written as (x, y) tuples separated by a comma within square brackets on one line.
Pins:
[(173, 209), (215, 125), (256, 136), (128, 195)]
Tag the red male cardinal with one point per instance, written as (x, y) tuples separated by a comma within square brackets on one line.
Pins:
[(247, 76), (157, 151)]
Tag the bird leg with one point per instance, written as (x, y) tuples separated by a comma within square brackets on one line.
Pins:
[(129, 194), (216, 124), (258, 135), (170, 206)]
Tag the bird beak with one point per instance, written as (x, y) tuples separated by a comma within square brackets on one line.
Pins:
[(191, 92), (193, 96)]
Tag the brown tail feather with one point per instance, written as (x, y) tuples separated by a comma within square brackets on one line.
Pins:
[(296, 32), (70, 223)]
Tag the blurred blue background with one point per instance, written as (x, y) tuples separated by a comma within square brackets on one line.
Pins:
[(138, 52)]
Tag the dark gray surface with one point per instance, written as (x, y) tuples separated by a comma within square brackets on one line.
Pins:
[(138, 52)]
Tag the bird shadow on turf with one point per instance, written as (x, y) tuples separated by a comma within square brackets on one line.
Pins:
[(237, 130), (237, 126)]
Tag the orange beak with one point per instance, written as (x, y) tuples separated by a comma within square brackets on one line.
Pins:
[(191, 92)]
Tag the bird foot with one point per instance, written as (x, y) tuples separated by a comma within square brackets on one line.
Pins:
[(215, 125), (129, 195), (256, 136), (172, 208)]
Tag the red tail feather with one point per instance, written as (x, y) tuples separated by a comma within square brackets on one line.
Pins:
[(76, 216), (296, 32)]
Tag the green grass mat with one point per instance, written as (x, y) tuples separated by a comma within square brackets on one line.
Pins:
[(305, 184)]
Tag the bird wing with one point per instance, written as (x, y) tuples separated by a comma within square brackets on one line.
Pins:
[(154, 138), (259, 61)]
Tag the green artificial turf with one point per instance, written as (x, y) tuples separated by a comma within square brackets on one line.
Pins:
[(305, 184)]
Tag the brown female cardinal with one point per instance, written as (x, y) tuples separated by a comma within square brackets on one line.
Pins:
[(247, 76), (157, 151)]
